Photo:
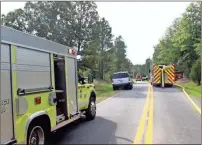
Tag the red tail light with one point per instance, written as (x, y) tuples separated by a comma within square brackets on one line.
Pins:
[(73, 52), (38, 100)]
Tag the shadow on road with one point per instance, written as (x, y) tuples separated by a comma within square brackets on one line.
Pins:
[(167, 89), (125, 139), (100, 131)]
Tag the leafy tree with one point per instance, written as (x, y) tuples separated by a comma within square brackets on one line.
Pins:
[(195, 73), (120, 53), (105, 38), (83, 15), (75, 24), (15, 19), (181, 42)]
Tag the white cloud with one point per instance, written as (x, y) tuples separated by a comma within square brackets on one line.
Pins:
[(141, 24)]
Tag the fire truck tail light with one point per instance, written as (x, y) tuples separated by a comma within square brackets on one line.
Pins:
[(38, 100), (71, 51)]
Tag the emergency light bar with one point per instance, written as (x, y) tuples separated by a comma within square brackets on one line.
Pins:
[(72, 51)]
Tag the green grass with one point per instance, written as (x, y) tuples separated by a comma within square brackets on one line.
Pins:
[(192, 89), (103, 90)]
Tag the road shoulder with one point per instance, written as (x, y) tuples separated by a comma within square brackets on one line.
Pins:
[(198, 109), (197, 101)]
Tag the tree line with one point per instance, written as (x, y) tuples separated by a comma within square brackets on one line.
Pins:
[(181, 43), (75, 24), (143, 69)]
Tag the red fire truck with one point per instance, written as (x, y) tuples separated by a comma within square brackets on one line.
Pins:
[(138, 77)]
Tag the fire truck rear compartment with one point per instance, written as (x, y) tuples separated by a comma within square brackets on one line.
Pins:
[(60, 86)]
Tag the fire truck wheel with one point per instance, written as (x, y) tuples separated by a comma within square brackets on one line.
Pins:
[(37, 134), (91, 111)]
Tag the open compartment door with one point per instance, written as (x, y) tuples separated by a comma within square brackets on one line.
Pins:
[(72, 85)]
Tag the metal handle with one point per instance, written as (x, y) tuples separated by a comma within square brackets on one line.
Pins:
[(20, 91)]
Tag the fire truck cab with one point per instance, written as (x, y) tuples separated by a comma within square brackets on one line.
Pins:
[(40, 89)]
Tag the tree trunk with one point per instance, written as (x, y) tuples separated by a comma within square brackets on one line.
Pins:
[(101, 62), (79, 47), (198, 82), (101, 69)]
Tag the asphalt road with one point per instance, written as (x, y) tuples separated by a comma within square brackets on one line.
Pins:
[(174, 119), (116, 122)]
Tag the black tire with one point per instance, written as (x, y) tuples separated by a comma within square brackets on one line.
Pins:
[(114, 88), (90, 113), (131, 87), (31, 132)]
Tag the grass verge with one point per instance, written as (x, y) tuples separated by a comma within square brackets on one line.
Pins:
[(103, 90), (192, 89)]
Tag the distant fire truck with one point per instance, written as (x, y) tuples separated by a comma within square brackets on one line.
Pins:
[(162, 75), (138, 77)]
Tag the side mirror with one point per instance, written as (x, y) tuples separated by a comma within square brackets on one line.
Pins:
[(90, 78), (81, 80)]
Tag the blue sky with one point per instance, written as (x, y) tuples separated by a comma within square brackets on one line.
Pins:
[(141, 24)]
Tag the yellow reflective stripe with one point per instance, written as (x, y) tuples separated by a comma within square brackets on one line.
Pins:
[(52, 70), (170, 80), (13, 54), (156, 68), (158, 80), (68, 99), (157, 74), (170, 74), (170, 77)]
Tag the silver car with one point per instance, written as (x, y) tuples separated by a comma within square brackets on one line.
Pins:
[(121, 80)]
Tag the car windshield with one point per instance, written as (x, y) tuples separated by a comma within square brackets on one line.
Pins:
[(120, 75)]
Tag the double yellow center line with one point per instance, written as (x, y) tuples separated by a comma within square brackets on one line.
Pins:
[(145, 127)]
